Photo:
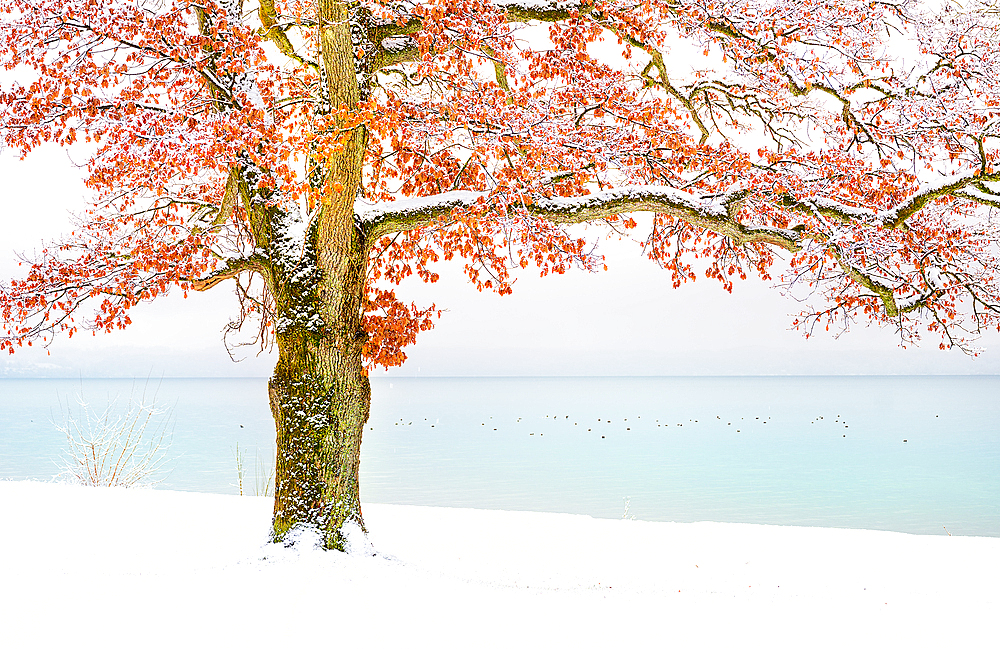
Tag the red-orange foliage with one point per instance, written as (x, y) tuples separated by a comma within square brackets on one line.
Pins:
[(858, 136)]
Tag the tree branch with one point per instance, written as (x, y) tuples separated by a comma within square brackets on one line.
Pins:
[(712, 214), (883, 292), (394, 54), (276, 34), (232, 268), (521, 11), (896, 217), (932, 191), (518, 11)]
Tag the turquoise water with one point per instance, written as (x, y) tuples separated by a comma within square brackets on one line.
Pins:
[(824, 451)]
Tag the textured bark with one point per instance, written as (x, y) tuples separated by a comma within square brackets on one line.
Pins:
[(320, 399), (320, 394)]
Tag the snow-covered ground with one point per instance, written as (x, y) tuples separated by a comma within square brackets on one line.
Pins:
[(86, 567)]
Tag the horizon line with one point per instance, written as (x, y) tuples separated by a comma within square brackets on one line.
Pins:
[(513, 376)]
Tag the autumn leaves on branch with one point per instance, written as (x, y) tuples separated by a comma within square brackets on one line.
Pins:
[(856, 140)]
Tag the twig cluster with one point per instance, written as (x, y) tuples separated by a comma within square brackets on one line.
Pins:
[(108, 448)]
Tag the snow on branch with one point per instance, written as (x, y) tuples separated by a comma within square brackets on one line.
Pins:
[(991, 199), (962, 186), (545, 10), (710, 213), (396, 45), (412, 213)]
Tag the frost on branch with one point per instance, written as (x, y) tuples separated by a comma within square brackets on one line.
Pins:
[(858, 140)]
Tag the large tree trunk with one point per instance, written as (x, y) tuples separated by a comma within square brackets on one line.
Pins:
[(319, 393), (320, 399)]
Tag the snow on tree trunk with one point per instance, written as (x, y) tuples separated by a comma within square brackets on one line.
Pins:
[(320, 394), (320, 399)]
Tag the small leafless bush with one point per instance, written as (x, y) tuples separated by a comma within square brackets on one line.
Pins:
[(116, 447), (627, 516)]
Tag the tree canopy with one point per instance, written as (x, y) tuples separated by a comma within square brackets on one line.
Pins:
[(867, 127)]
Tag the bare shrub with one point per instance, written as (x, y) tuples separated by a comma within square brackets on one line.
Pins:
[(116, 447)]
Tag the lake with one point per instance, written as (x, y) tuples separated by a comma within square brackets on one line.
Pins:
[(816, 451)]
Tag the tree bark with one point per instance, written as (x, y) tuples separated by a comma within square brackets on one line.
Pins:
[(320, 398), (319, 393)]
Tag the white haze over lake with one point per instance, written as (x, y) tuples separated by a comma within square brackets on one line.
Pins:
[(627, 321)]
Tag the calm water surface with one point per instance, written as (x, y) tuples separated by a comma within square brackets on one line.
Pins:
[(825, 451)]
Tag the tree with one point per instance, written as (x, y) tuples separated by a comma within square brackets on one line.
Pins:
[(317, 153)]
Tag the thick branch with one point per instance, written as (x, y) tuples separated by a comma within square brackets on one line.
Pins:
[(388, 30), (230, 198), (896, 217), (499, 69), (716, 214), (232, 268), (883, 292), (521, 11), (382, 219), (518, 11), (945, 187), (396, 50), (276, 34), (711, 214), (989, 199)]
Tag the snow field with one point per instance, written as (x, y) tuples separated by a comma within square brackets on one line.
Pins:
[(88, 567)]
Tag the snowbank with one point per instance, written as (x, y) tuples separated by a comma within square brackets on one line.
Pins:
[(147, 568)]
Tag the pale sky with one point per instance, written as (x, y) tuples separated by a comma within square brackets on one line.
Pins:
[(626, 321)]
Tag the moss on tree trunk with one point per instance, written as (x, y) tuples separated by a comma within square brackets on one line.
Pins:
[(320, 394), (320, 399)]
